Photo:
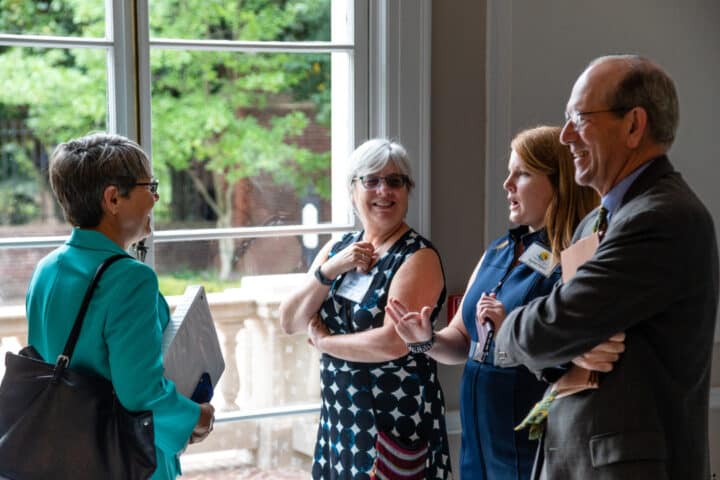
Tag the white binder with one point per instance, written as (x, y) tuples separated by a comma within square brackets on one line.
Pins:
[(190, 343)]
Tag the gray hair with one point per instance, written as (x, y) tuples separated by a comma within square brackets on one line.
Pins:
[(374, 155), (81, 169), (648, 86)]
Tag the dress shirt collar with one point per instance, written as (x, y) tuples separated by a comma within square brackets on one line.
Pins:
[(613, 199)]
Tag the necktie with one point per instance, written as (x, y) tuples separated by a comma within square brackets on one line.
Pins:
[(536, 418), (601, 222)]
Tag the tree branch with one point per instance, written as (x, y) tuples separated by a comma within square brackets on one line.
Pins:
[(200, 186)]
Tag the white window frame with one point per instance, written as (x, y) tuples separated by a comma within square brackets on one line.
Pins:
[(341, 219), (392, 98)]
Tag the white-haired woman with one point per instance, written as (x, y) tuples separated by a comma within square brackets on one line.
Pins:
[(371, 380)]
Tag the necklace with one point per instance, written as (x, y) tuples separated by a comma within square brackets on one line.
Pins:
[(380, 248)]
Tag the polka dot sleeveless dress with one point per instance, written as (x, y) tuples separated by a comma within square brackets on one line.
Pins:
[(402, 397)]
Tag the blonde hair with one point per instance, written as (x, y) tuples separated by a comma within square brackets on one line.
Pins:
[(542, 153)]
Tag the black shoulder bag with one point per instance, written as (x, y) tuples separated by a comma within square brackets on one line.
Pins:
[(59, 423)]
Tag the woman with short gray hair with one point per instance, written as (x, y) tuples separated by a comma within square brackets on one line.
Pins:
[(105, 187), (376, 389)]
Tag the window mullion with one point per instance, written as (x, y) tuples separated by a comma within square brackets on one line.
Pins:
[(142, 94), (121, 69)]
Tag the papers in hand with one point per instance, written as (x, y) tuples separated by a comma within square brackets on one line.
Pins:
[(190, 343), (577, 378), (576, 254)]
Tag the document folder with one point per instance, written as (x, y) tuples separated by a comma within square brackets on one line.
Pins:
[(190, 343)]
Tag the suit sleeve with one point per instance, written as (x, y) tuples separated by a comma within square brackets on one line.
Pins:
[(632, 276), (134, 339)]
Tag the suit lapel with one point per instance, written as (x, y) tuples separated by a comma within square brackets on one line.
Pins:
[(585, 227), (659, 168)]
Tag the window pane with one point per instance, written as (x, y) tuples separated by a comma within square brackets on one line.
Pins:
[(250, 20), (71, 18), (233, 263), (48, 96), (16, 268), (264, 368), (241, 139)]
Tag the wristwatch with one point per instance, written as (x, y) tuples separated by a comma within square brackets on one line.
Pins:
[(322, 278), (421, 347)]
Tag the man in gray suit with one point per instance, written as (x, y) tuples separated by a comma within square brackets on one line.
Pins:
[(653, 276)]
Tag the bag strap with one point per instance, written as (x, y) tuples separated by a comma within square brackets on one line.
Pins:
[(63, 359)]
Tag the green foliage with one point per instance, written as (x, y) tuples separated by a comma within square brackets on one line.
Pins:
[(53, 17), (62, 90), (44, 17), (17, 202), (19, 179), (233, 137), (175, 283), (284, 20), (235, 114)]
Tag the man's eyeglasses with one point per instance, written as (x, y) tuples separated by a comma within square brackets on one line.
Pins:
[(578, 118), (394, 181), (152, 186)]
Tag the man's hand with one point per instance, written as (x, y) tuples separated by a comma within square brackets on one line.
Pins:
[(603, 356)]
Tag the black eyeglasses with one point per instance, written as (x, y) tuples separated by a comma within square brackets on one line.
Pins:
[(152, 186), (394, 181), (576, 118)]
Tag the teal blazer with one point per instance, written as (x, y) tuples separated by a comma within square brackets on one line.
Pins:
[(121, 338)]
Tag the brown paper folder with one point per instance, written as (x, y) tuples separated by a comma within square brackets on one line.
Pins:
[(577, 378)]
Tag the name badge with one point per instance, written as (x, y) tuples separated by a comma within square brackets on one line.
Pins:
[(539, 259), (354, 286)]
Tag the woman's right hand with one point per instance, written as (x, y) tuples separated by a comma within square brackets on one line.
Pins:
[(412, 327), (205, 423), (489, 308), (360, 255)]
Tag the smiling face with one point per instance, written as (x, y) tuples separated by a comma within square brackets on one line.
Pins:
[(597, 143), (529, 194), (383, 207)]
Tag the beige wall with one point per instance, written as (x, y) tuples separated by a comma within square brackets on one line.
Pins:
[(457, 147), (538, 49), (457, 154)]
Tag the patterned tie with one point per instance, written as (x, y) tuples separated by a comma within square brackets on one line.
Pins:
[(601, 222), (536, 418), (538, 414)]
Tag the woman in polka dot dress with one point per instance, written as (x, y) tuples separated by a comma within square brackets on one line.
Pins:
[(370, 381)]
